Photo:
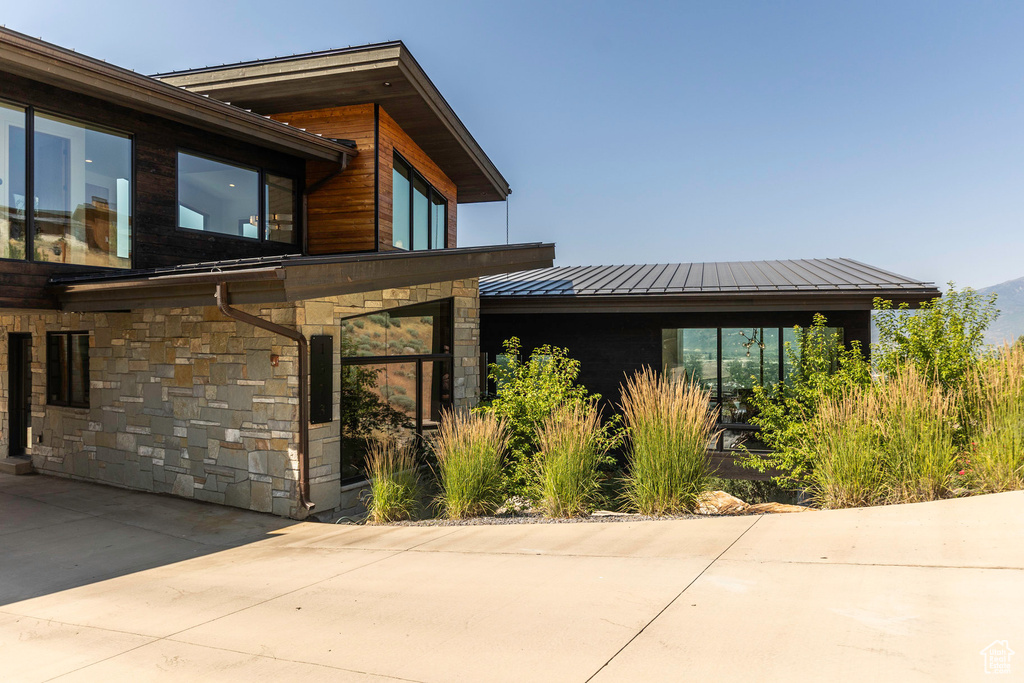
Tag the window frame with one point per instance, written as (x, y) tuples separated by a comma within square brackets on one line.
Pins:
[(261, 200), (67, 336), (30, 111), (432, 192)]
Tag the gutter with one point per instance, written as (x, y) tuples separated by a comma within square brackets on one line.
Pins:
[(303, 350)]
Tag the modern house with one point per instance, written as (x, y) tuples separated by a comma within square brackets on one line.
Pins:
[(725, 324), (209, 278)]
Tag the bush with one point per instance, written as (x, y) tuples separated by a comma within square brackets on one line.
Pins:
[(669, 428), (469, 450), (822, 368), (527, 392), (942, 340), (394, 481), (894, 442), (996, 456), (572, 446)]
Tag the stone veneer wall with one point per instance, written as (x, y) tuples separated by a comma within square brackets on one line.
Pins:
[(188, 402)]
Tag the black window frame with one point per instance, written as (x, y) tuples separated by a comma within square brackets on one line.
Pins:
[(66, 401), (261, 201), (30, 144), (432, 193)]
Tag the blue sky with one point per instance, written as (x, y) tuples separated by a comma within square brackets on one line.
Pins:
[(889, 132)]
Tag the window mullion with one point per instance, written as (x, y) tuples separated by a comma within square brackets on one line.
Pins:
[(30, 183)]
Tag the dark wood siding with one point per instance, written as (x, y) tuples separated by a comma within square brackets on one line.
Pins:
[(157, 239), (611, 346)]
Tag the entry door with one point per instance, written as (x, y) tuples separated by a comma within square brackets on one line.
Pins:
[(19, 405)]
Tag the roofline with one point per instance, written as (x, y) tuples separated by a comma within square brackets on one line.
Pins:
[(39, 60), (411, 69)]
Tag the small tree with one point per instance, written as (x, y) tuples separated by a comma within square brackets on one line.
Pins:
[(821, 368), (942, 340), (527, 392)]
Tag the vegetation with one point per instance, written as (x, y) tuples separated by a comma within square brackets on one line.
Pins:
[(527, 393), (572, 447), (995, 457), (469, 450), (394, 481), (669, 427)]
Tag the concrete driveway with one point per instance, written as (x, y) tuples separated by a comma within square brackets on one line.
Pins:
[(99, 584)]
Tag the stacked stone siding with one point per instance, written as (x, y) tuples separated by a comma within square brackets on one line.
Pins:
[(191, 403)]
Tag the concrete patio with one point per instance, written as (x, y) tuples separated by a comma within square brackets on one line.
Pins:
[(98, 583)]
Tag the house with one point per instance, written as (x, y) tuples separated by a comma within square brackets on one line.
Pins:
[(204, 275), (725, 324)]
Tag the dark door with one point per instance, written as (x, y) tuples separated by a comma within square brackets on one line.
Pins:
[(19, 406)]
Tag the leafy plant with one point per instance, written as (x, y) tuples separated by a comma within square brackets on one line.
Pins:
[(821, 368), (572, 447), (529, 391), (942, 340), (394, 481), (469, 449), (670, 427)]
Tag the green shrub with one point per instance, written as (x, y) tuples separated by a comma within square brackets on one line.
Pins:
[(821, 368), (942, 340), (669, 430), (995, 461), (842, 444), (527, 392), (469, 449), (394, 481), (572, 447)]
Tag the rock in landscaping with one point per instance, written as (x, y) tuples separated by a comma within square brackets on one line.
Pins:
[(719, 503), (763, 508)]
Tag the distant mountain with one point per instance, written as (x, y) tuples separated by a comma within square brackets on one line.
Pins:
[(1010, 323)]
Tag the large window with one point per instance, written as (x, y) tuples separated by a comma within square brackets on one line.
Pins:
[(396, 377), (729, 362), (67, 369), (420, 213), (224, 198), (81, 212)]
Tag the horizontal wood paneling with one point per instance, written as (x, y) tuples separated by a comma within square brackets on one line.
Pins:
[(157, 240), (340, 214), (394, 139)]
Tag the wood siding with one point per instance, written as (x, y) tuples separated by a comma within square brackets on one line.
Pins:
[(340, 214), (393, 139), (157, 241)]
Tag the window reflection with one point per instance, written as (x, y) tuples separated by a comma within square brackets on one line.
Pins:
[(12, 182), (82, 178), (279, 198), (214, 196), (419, 212)]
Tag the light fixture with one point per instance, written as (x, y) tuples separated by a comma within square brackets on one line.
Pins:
[(231, 184), (88, 161), (387, 84)]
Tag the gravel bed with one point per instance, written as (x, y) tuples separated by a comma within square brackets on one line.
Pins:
[(537, 518)]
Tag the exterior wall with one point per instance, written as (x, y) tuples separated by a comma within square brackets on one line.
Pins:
[(324, 316), (188, 402), (393, 139), (611, 346), (341, 214)]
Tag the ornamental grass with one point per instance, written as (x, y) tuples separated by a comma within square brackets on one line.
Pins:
[(669, 428), (571, 447), (996, 396), (394, 480), (469, 448)]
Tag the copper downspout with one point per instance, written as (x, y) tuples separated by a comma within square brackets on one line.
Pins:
[(300, 339)]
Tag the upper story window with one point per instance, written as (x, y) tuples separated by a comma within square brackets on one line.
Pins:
[(420, 216), (229, 199), (81, 210)]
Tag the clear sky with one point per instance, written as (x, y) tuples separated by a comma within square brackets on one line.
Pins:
[(889, 132)]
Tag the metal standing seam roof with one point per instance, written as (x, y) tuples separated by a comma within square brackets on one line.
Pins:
[(799, 275)]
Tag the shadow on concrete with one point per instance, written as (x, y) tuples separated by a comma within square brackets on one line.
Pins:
[(57, 534)]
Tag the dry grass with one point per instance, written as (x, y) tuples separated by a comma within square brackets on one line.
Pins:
[(394, 481), (996, 459), (670, 427), (571, 448), (469, 449)]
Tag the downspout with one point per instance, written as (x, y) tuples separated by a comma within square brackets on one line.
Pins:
[(303, 349)]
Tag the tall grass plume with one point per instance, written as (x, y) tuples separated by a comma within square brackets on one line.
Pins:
[(996, 457), (571, 447), (469, 449), (394, 481)]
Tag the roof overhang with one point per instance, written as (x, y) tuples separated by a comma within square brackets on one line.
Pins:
[(40, 61), (296, 278), (386, 74), (859, 300)]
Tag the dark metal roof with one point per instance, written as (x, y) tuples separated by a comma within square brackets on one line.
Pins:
[(776, 277)]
